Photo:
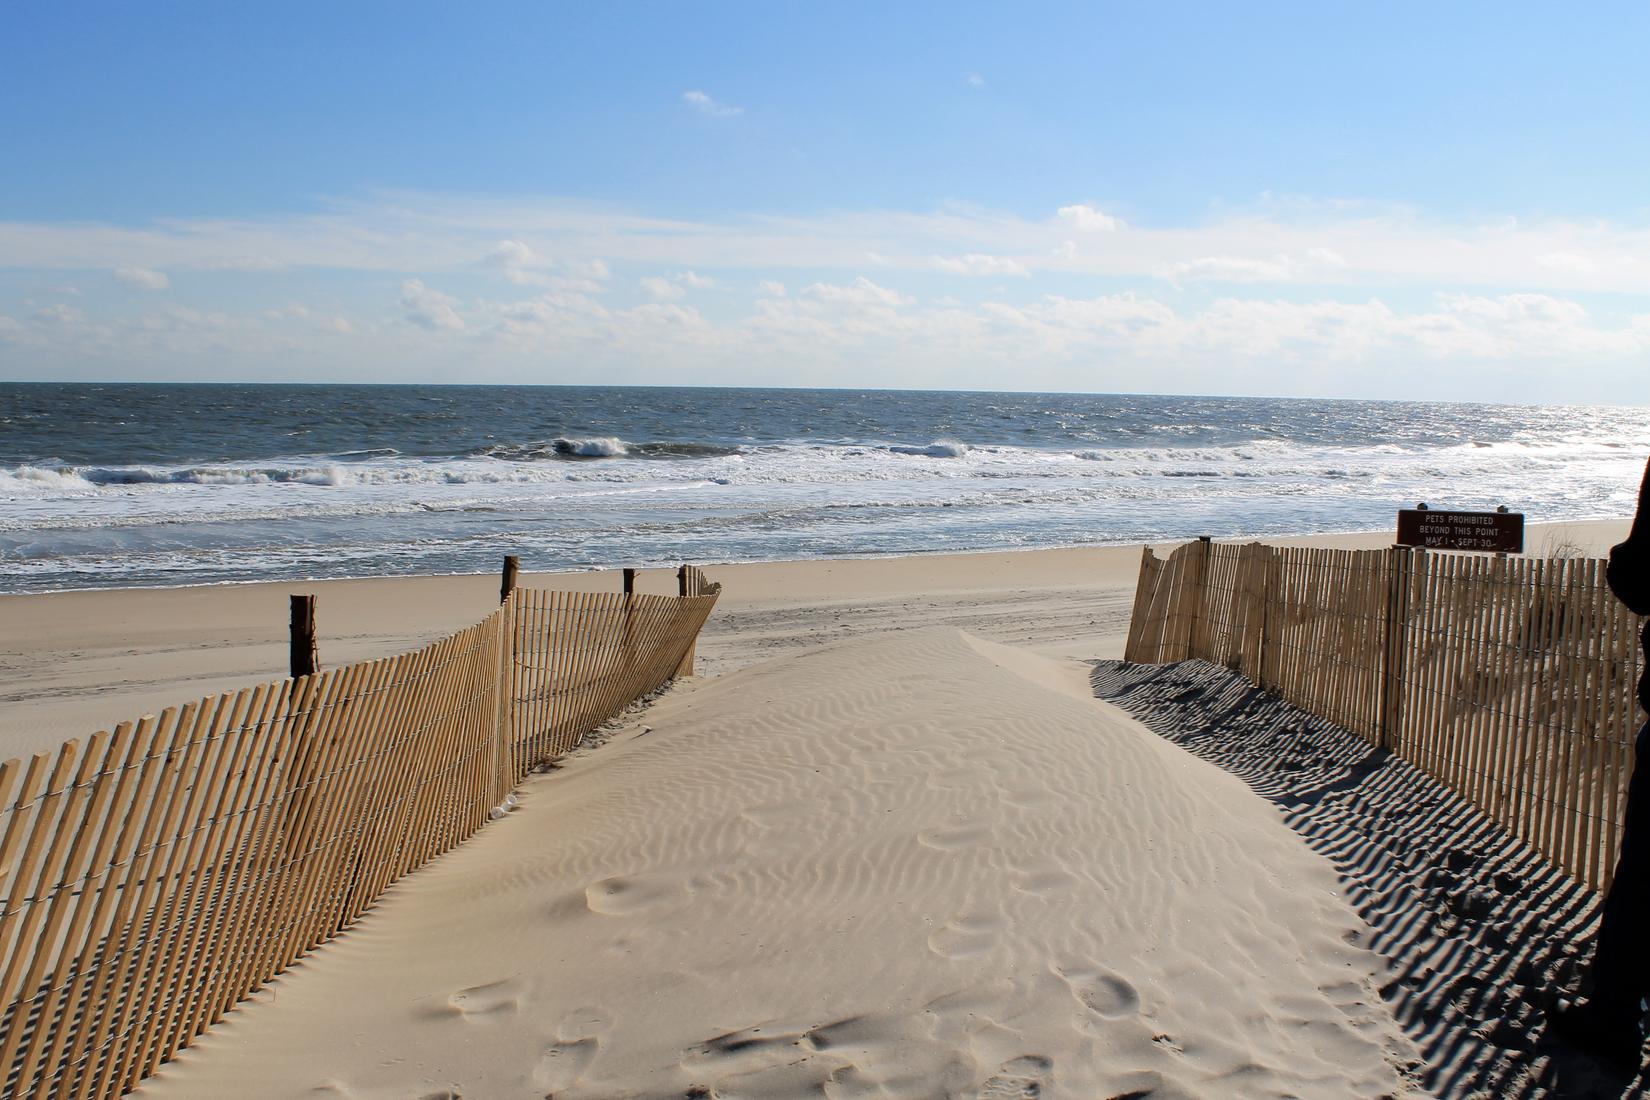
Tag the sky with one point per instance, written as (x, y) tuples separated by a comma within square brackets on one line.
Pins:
[(1404, 200)]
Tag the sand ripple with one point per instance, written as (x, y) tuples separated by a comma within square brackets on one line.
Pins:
[(905, 867)]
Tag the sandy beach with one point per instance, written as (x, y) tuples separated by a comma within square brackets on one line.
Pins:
[(74, 662), (887, 842)]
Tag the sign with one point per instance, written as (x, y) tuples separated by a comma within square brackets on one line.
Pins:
[(1439, 529)]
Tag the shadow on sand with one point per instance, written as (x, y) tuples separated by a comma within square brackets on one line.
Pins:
[(1480, 932)]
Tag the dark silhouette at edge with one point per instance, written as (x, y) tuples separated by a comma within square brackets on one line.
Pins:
[(1609, 1022)]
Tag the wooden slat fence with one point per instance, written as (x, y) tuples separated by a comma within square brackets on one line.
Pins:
[(1509, 679), (155, 875)]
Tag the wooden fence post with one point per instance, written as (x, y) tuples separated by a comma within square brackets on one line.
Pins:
[(504, 691), (1197, 598), (1271, 588), (1252, 647), (1395, 631), (685, 668), (507, 584), (304, 652), (627, 645)]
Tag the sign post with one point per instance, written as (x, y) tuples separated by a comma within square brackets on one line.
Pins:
[(1499, 532)]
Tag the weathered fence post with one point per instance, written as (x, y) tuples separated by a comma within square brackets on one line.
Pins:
[(504, 700), (685, 666), (1395, 630), (507, 583), (1252, 644), (304, 652), (628, 645), (1197, 598), (1271, 590)]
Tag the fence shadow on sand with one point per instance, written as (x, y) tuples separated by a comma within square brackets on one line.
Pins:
[(1480, 930)]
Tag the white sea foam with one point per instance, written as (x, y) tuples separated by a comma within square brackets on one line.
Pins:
[(941, 448), (606, 446), (320, 515)]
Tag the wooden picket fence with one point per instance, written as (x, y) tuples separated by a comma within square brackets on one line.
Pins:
[(1511, 680), (157, 874)]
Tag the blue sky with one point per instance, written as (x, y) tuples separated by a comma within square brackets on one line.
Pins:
[(1403, 200)]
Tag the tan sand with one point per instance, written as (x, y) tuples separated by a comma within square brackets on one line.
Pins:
[(911, 865), (74, 662), (917, 861)]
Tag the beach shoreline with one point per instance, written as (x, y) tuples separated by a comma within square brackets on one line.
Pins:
[(76, 661)]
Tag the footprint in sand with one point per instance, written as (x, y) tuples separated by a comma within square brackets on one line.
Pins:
[(562, 1064), (481, 1002), (586, 1022), (965, 936), (746, 1050), (621, 896), (1107, 994), (1018, 1078)]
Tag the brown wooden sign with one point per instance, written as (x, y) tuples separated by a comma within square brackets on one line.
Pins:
[(1441, 529)]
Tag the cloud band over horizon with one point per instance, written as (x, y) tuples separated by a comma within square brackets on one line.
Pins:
[(1296, 297)]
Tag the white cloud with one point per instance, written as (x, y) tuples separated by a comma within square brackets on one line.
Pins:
[(662, 288), (708, 106), (184, 319), (1086, 219), (510, 256), (1315, 289), (1235, 269), (861, 292), (1566, 262), (1314, 263), (974, 80), (1340, 245), (976, 263), (1525, 345), (59, 314), (141, 278), (593, 269), (523, 266), (519, 263), (676, 285), (429, 308)]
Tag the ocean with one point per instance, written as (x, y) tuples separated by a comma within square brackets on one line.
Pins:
[(148, 484)]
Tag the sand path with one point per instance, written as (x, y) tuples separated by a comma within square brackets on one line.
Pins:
[(913, 865)]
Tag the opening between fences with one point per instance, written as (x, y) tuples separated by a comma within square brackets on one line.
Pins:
[(157, 874), (1510, 680)]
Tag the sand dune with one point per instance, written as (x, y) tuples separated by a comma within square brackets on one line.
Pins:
[(911, 865)]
